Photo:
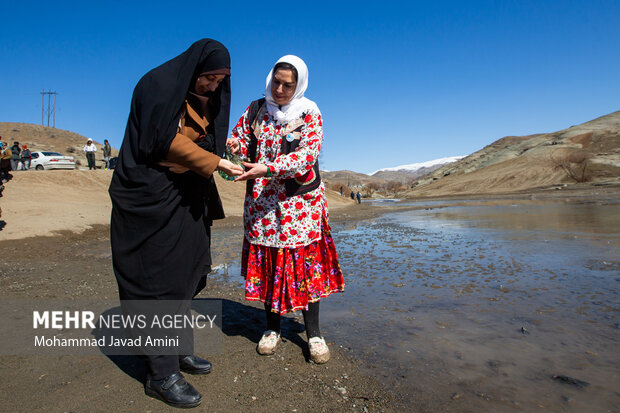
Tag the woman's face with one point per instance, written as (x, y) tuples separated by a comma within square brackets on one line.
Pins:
[(208, 83), (283, 85)]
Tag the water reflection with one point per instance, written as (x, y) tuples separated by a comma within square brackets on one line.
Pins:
[(560, 218)]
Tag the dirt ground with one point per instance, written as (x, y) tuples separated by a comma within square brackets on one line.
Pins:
[(73, 266)]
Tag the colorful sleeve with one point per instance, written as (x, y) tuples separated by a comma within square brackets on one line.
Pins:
[(241, 132), (299, 162)]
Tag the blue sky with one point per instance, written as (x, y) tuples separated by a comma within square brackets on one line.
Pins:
[(397, 82)]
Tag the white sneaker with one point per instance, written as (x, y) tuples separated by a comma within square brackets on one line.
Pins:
[(319, 352), (268, 343)]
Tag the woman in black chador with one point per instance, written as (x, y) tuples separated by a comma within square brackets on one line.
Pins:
[(164, 197)]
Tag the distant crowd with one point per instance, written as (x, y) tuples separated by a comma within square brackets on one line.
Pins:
[(13, 158), (19, 157)]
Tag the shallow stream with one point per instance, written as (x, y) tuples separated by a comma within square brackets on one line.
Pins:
[(476, 306)]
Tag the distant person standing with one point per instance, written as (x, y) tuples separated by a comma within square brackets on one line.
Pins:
[(353, 195), (359, 197), (26, 157), (15, 158), (342, 191), (107, 152), (89, 150), (5, 162)]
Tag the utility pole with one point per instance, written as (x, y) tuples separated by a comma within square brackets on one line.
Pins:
[(51, 109)]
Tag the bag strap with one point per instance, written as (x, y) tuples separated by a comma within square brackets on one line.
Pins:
[(255, 107)]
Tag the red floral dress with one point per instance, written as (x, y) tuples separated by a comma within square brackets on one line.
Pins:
[(289, 258)]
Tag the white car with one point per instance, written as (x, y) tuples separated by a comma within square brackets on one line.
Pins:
[(51, 160)]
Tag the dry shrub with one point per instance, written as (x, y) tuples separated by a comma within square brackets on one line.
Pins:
[(575, 165), (334, 186), (373, 186), (71, 149), (393, 186), (370, 188)]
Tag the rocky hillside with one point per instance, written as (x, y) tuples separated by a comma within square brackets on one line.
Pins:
[(589, 152), (43, 138), (345, 178)]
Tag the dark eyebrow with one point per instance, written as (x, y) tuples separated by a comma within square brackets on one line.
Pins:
[(285, 83)]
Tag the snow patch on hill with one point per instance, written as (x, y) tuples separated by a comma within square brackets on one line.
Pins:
[(420, 165)]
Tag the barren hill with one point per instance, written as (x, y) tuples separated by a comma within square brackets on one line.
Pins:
[(404, 176), (44, 138), (522, 163), (346, 178)]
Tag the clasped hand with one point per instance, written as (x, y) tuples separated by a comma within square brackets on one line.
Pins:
[(252, 170), (233, 145)]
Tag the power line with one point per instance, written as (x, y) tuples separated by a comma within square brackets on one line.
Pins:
[(51, 107)]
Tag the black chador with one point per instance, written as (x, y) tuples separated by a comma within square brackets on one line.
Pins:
[(160, 225)]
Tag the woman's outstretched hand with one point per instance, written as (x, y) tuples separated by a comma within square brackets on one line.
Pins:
[(229, 168), (253, 171), (233, 145), (174, 167)]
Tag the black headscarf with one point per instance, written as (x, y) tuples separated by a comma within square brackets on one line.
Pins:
[(158, 100)]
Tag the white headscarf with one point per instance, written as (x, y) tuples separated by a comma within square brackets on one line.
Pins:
[(298, 104)]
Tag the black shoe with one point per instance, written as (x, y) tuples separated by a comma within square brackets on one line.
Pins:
[(194, 365), (173, 390)]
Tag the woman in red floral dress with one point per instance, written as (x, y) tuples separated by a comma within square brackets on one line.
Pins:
[(289, 259)]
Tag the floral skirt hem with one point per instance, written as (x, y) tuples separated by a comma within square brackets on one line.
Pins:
[(301, 307), (290, 278)]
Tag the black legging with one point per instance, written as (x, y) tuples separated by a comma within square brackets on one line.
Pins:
[(311, 320), (90, 157)]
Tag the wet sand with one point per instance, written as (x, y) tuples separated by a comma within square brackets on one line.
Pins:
[(449, 306), (78, 266)]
